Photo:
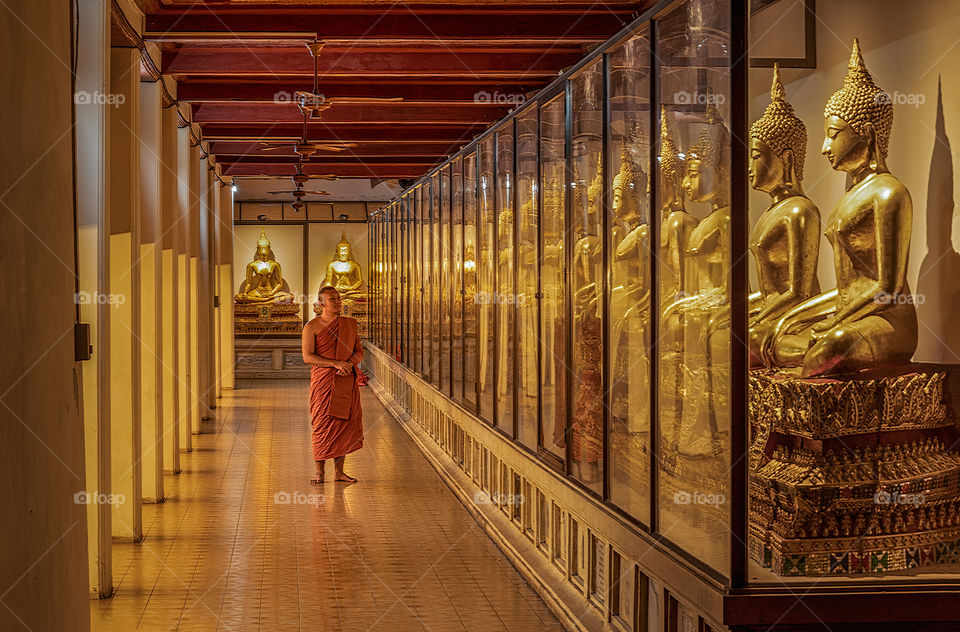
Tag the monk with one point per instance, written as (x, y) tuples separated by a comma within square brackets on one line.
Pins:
[(331, 346)]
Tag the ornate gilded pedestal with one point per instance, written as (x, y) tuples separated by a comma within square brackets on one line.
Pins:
[(267, 319), (357, 309), (859, 475)]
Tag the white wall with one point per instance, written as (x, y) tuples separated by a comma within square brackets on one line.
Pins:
[(287, 245), (905, 48), (323, 240)]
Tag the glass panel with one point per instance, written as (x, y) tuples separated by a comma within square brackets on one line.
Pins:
[(506, 303), (629, 264), (586, 427), (527, 278), (446, 283), (485, 300), (553, 356), (436, 278), (456, 205), (416, 285), (404, 275), (694, 263), (470, 252), (426, 282)]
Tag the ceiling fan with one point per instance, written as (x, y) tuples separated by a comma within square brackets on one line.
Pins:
[(313, 104), (298, 193)]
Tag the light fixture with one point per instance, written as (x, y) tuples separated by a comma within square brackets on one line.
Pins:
[(234, 188)]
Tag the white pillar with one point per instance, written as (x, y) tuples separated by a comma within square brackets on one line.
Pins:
[(44, 569), (183, 286), (194, 212), (170, 295), (93, 256), (151, 285), (125, 292), (226, 350)]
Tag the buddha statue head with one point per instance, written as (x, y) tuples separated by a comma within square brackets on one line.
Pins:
[(778, 144), (628, 187), (264, 252), (707, 176), (672, 168), (857, 121), (343, 252)]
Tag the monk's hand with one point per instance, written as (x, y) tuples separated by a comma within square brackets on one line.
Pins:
[(342, 367)]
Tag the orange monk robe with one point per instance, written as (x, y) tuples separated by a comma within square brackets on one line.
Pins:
[(335, 399)]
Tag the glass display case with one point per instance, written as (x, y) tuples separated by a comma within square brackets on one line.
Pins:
[(701, 294)]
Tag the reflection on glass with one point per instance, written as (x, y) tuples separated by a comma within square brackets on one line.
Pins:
[(470, 253), (415, 288), (505, 304), (586, 428), (446, 283), (436, 282), (485, 299), (527, 278), (629, 264), (456, 214), (552, 264), (695, 253)]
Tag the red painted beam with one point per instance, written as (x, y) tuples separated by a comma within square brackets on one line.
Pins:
[(345, 171), (369, 113), (442, 92), (398, 22), (244, 148), (343, 133), (339, 158), (282, 61)]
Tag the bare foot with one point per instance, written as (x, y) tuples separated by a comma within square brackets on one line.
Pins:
[(345, 478), (316, 480)]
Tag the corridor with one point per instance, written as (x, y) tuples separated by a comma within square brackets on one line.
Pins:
[(244, 542)]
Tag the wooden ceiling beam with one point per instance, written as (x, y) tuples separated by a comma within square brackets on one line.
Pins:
[(368, 113), (385, 171), (295, 62), (319, 132), (442, 92), (442, 22)]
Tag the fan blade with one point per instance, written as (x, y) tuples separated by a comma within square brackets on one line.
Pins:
[(364, 99), (279, 148)]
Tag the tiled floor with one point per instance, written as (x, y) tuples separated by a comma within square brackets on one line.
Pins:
[(395, 551)]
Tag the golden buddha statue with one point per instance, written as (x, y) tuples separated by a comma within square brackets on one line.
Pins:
[(343, 272), (677, 223), (630, 236), (870, 319), (264, 282), (785, 239)]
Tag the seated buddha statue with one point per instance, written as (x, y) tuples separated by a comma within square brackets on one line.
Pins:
[(677, 224), (785, 241), (630, 235), (869, 320), (707, 180), (343, 272), (264, 282)]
